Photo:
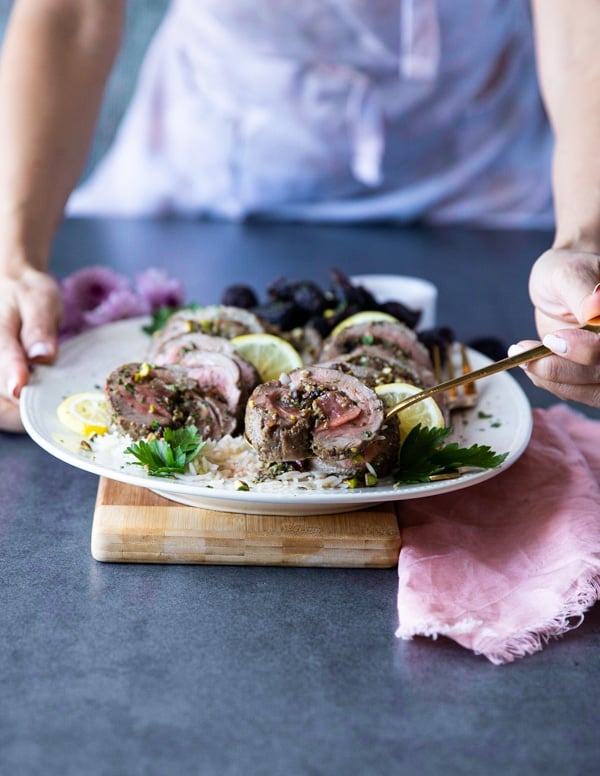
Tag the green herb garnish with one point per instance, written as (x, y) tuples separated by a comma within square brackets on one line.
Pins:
[(161, 316), (169, 455), (423, 455), (159, 319)]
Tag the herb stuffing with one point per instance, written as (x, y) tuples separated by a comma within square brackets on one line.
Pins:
[(169, 455), (424, 455)]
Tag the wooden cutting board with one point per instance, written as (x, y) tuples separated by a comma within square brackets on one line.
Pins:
[(134, 525)]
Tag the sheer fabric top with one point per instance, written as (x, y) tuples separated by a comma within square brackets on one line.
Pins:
[(334, 110)]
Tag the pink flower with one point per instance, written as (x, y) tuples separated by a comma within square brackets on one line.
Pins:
[(97, 295), (84, 291), (119, 304), (89, 287), (158, 290)]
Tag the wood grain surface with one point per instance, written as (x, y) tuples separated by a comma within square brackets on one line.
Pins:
[(134, 525)]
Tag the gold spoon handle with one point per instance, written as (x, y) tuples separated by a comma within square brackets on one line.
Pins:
[(485, 371)]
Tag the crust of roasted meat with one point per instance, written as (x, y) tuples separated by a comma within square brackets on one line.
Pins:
[(320, 413), (393, 336), (143, 400)]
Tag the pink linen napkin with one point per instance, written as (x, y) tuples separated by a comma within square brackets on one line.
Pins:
[(504, 566)]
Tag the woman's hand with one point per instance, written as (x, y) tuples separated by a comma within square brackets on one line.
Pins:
[(54, 64), (565, 289), (30, 310)]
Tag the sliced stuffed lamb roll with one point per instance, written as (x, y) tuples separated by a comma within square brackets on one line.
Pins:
[(394, 337), (323, 415), (144, 400)]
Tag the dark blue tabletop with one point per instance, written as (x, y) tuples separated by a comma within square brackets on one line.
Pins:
[(136, 669)]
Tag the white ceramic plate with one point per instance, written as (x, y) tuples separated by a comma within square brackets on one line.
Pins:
[(502, 420)]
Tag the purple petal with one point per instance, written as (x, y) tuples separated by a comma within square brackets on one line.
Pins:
[(159, 290), (86, 289), (119, 304)]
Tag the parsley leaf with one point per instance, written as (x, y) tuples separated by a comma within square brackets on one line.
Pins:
[(162, 315), (169, 455), (423, 454)]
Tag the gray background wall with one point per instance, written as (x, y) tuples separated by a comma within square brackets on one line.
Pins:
[(142, 18)]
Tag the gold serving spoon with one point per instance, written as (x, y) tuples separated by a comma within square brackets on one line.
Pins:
[(485, 371)]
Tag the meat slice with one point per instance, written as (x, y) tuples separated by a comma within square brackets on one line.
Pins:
[(216, 320), (169, 348), (217, 375), (348, 414), (316, 412), (144, 400), (214, 363), (306, 340), (211, 416), (394, 337), (380, 456), (277, 425), (375, 366)]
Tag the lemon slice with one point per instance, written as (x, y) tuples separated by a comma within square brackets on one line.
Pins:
[(84, 413), (426, 412), (270, 355), (365, 316)]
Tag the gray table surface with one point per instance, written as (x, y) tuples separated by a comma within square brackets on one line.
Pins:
[(141, 669)]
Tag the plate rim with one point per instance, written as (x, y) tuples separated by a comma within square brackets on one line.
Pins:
[(212, 495)]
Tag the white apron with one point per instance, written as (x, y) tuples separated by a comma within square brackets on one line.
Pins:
[(334, 110)]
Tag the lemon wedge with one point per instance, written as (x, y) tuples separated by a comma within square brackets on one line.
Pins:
[(426, 412), (365, 316), (84, 413), (270, 355)]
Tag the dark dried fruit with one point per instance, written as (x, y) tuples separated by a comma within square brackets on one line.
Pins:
[(304, 293), (345, 292), (439, 336), (400, 311), (284, 314), (239, 296)]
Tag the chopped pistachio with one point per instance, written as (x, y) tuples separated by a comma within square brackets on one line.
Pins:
[(142, 372)]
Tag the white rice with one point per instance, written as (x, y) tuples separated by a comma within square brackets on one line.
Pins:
[(223, 464)]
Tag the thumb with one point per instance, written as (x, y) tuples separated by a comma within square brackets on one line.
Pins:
[(564, 287), (590, 307)]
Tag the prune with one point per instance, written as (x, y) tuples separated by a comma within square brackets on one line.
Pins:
[(344, 291), (305, 294), (440, 336), (239, 296), (284, 314), (279, 289), (309, 297), (321, 324), (403, 313), (292, 303)]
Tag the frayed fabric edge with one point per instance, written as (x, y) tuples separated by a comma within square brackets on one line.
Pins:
[(585, 594)]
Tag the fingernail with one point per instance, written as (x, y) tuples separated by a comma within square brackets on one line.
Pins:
[(555, 344), (516, 350), (596, 289), (39, 349)]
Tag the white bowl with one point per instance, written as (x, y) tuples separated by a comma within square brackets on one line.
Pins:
[(415, 293)]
